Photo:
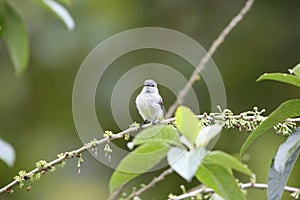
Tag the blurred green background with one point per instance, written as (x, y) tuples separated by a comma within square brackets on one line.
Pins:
[(36, 109)]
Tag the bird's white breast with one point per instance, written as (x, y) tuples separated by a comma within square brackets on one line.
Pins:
[(149, 107)]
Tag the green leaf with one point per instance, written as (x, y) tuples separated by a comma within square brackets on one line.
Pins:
[(276, 180), (187, 123), (206, 134), (137, 162), (61, 12), (184, 162), (286, 110), (227, 161), (286, 150), (296, 70), (285, 78), (16, 38), (221, 180), (161, 134), (7, 153)]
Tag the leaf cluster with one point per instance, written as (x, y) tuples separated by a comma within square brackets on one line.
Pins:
[(288, 152), (187, 148)]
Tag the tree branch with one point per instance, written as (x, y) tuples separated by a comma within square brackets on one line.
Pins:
[(151, 184), (203, 190), (215, 45), (76, 153)]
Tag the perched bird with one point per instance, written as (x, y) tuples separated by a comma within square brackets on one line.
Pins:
[(149, 103)]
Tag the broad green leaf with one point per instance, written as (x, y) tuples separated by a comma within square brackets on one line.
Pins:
[(61, 12), (187, 123), (160, 134), (276, 180), (285, 78), (286, 110), (16, 38), (184, 162), (7, 153), (221, 180), (296, 70), (206, 134), (227, 161), (286, 150), (137, 162)]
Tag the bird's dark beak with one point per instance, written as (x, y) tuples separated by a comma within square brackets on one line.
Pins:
[(147, 89)]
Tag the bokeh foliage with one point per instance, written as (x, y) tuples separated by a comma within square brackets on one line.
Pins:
[(36, 111)]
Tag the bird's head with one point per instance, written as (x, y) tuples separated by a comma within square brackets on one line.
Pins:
[(150, 86)]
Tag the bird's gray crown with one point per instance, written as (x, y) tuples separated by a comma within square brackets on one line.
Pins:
[(150, 83)]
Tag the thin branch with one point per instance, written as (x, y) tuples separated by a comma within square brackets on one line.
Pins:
[(203, 190), (150, 184), (215, 45), (77, 152), (114, 195)]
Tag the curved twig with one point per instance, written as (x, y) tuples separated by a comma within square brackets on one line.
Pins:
[(150, 184), (213, 48)]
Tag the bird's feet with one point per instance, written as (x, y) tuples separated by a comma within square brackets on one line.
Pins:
[(143, 123), (157, 121)]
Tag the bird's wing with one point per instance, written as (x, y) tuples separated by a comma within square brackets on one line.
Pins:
[(160, 102)]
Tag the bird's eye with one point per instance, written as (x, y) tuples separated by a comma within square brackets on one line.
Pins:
[(150, 85)]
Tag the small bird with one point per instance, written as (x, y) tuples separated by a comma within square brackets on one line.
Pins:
[(149, 103)]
